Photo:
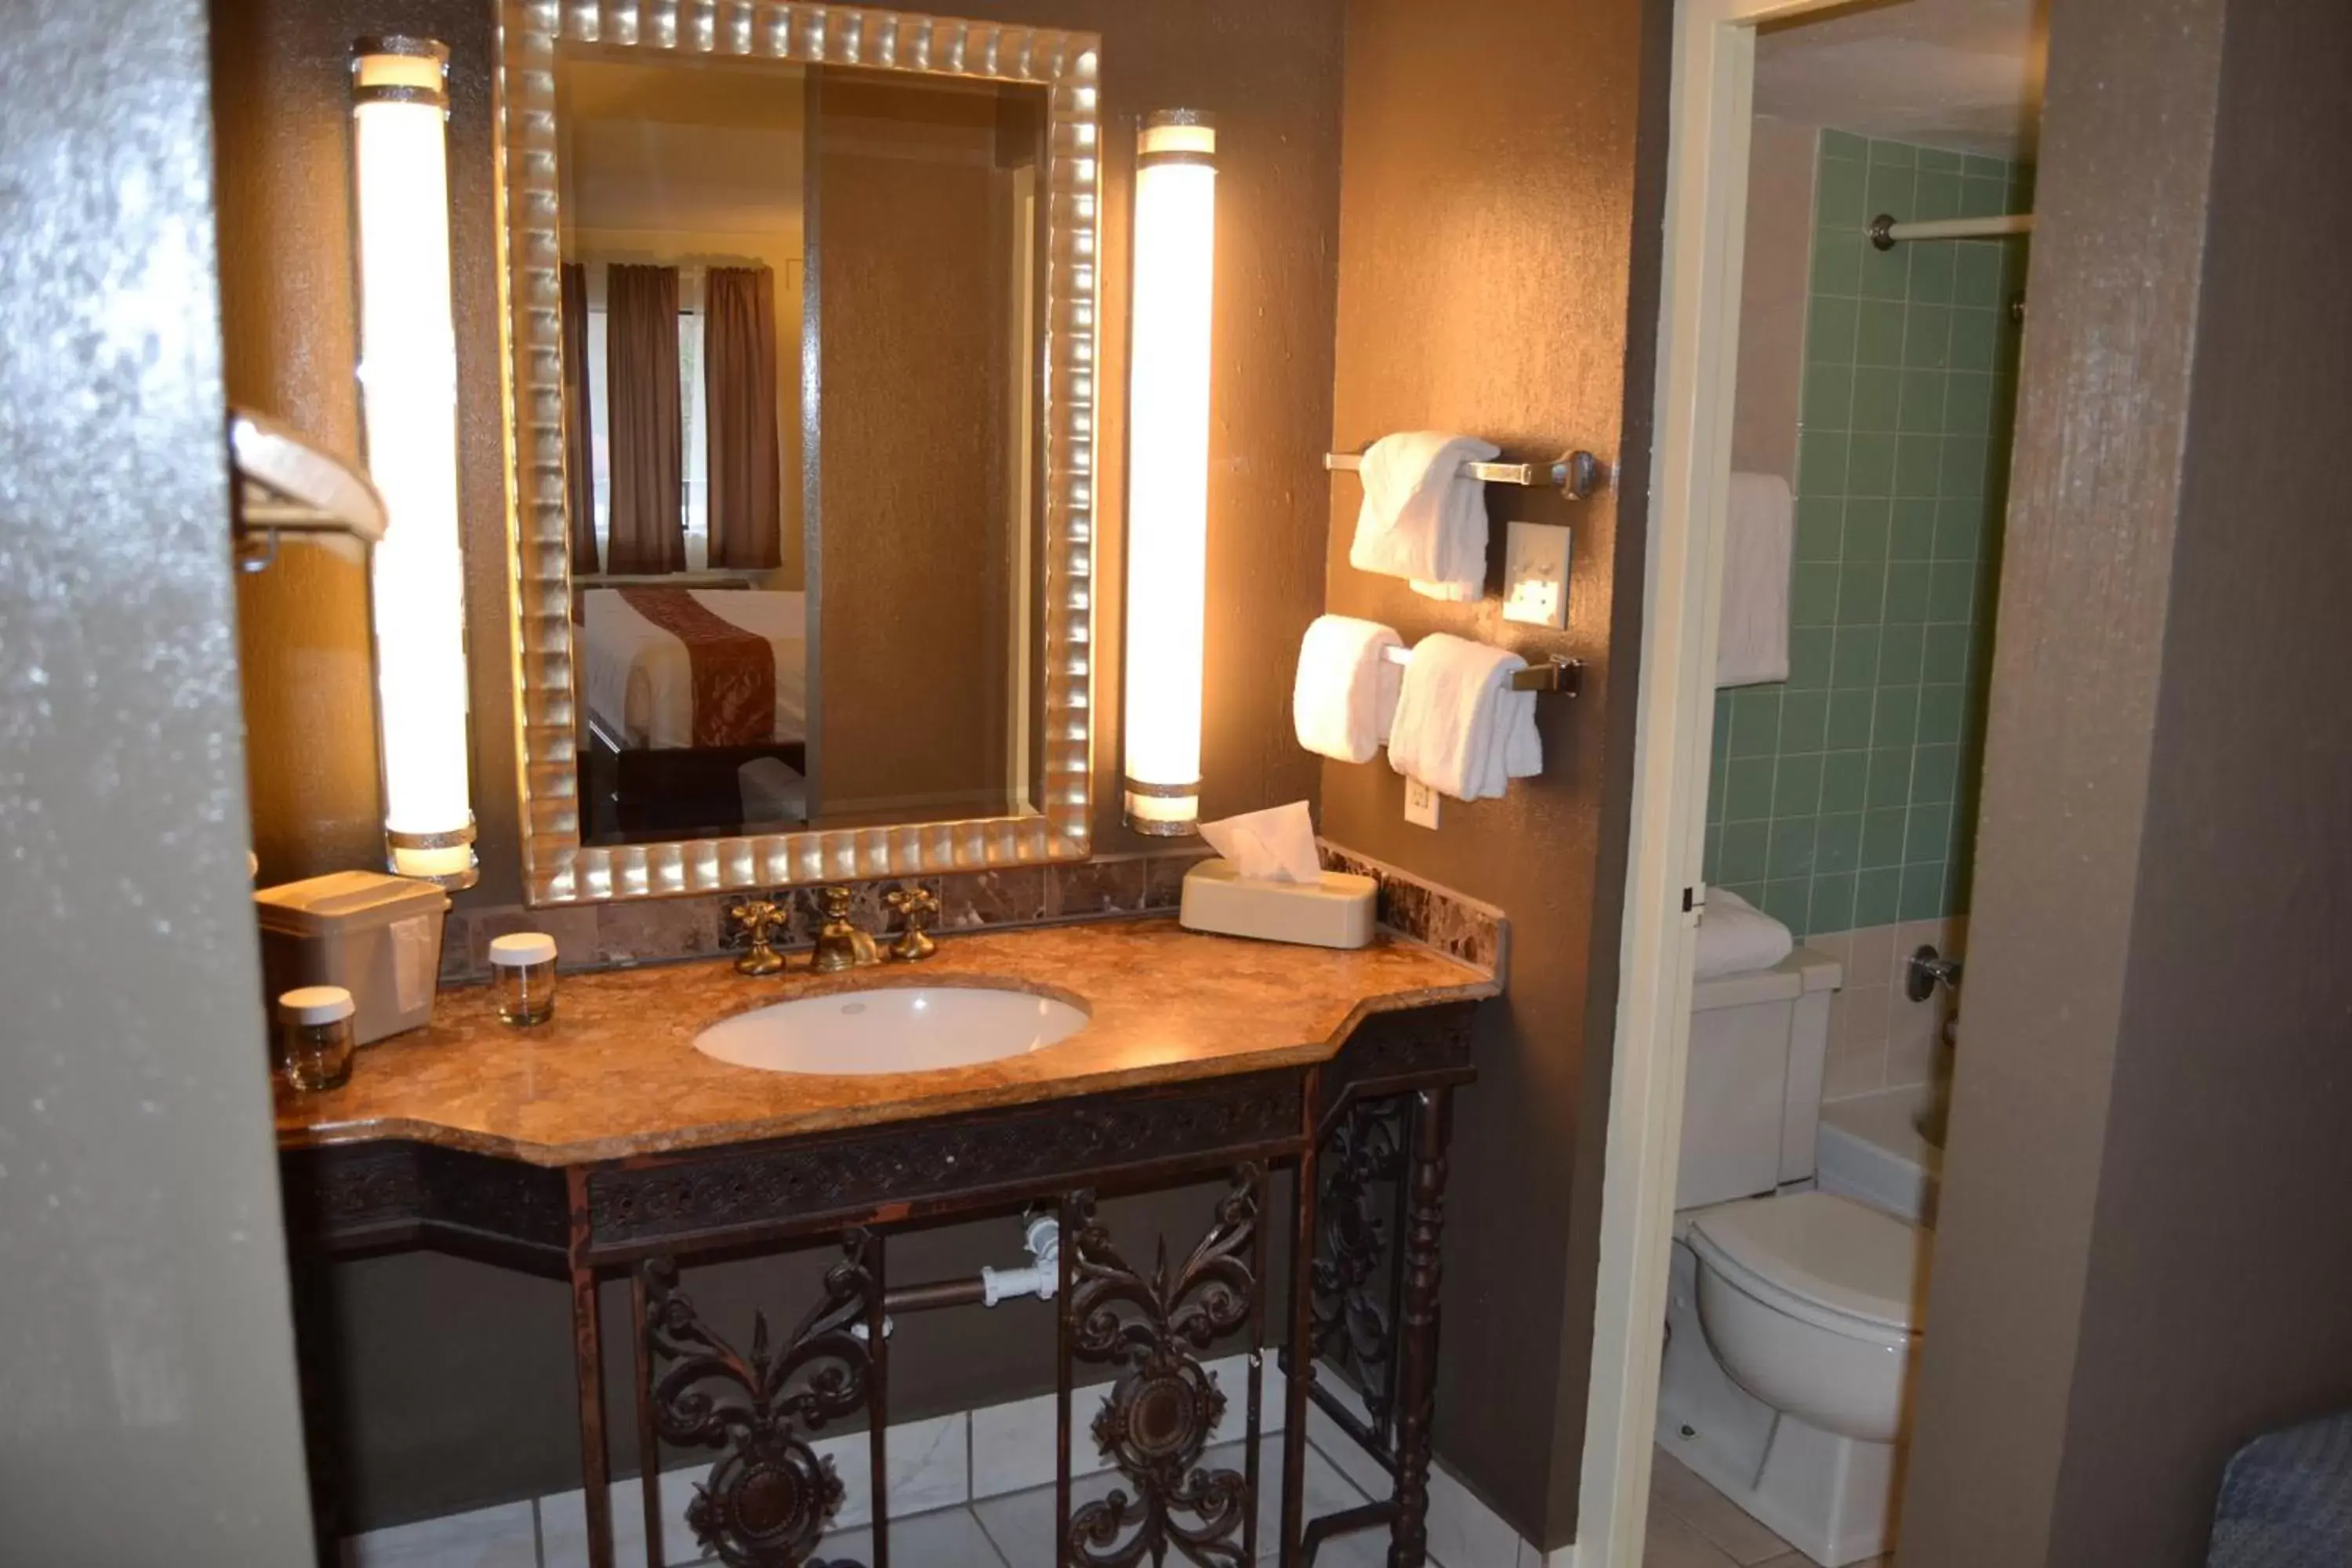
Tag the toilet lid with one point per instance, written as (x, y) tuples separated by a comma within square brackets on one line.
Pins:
[(1828, 1251)]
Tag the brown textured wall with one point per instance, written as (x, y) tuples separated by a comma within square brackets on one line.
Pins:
[(1497, 250), (911, 261), (2135, 1270), (454, 1401), (289, 319)]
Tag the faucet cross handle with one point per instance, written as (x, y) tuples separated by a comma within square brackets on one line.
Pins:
[(759, 918), (917, 908)]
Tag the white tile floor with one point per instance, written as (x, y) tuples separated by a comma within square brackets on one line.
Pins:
[(1692, 1525), (1016, 1529)]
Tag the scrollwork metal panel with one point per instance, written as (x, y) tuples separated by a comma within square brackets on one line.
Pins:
[(770, 1497), (1357, 1267), (1154, 1425), (738, 1192)]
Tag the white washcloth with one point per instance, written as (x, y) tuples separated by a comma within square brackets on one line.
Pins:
[(1345, 695), (1423, 519), (1460, 729), (1735, 937), (1751, 642)]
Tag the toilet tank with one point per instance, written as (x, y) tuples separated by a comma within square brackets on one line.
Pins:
[(1752, 1093)]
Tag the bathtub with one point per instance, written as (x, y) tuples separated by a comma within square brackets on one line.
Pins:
[(1871, 1149)]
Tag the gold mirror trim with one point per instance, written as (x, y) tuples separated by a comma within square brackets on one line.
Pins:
[(557, 868)]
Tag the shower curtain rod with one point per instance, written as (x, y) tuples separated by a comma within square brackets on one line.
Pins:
[(1884, 232)]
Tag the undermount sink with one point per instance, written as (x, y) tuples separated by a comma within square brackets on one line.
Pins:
[(912, 1028)]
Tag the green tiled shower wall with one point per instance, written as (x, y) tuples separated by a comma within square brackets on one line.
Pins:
[(1847, 797)]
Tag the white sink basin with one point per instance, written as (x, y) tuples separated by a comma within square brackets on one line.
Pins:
[(897, 1029)]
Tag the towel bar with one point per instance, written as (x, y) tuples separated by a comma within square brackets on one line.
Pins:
[(1576, 474), (1559, 673)]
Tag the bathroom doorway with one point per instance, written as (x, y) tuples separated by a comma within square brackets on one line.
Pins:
[(1861, 374)]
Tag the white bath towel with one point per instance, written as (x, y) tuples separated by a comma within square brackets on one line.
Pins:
[(1735, 937), (1751, 643), (1422, 518), (1460, 729), (1344, 695)]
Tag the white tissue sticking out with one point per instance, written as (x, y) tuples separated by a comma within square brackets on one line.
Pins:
[(1276, 845)]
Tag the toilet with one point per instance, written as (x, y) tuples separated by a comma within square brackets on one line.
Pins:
[(1793, 1314)]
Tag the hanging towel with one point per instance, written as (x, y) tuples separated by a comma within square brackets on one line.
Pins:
[(1751, 643), (1735, 937), (1460, 729), (1423, 519), (1345, 696)]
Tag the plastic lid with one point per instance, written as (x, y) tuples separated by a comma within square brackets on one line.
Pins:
[(1831, 1251), (523, 947), (315, 1004), (345, 899)]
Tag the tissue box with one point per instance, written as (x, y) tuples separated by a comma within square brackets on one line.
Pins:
[(1334, 913), (378, 937)]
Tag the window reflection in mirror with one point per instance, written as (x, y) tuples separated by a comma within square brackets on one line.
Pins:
[(802, 362)]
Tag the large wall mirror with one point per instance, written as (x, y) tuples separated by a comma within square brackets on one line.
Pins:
[(803, 317)]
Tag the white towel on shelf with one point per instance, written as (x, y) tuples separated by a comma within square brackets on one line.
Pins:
[(1422, 518), (1751, 643), (1460, 729), (1345, 695), (1735, 937)]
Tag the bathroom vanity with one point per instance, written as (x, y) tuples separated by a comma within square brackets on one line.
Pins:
[(605, 1143), (799, 344)]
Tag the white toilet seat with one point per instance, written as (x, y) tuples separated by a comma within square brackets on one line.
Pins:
[(1822, 1259)]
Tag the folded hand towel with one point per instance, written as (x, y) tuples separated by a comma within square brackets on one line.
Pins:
[(1460, 729), (1751, 643), (1735, 937), (1345, 696), (1422, 518)]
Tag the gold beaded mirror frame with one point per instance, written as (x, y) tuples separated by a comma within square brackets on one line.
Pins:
[(558, 868)]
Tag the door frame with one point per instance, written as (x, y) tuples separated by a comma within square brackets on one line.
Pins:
[(1710, 113)]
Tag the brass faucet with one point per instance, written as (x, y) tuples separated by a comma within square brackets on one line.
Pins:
[(759, 919), (917, 907), (840, 945)]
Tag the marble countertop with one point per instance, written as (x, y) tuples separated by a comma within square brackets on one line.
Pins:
[(616, 1073)]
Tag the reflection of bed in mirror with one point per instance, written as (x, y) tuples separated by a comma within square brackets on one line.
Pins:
[(697, 706)]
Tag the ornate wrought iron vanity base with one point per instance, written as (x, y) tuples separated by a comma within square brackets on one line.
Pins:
[(1365, 1134)]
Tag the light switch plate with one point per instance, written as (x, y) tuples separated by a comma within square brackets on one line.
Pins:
[(1535, 575), (1420, 804)]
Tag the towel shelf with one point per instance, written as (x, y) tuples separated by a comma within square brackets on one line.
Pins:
[(1559, 673), (1576, 474)]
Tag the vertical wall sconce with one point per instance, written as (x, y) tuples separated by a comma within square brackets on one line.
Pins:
[(1168, 468), (408, 402)]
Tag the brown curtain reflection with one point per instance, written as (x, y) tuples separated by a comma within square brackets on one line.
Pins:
[(739, 356), (579, 430), (644, 421)]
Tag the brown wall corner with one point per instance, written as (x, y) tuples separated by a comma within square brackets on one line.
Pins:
[(1497, 273)]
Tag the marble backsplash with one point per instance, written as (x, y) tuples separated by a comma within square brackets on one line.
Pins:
[(1110, 886), (1454, 923)]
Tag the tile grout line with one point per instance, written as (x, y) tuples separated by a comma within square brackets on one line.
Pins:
[(990, 1536)]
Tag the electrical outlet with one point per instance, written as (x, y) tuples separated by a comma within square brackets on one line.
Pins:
[(1535, 575), (1420, 804)]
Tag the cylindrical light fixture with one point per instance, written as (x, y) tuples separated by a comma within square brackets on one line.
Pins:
[(1168, 468), (408, 403)]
